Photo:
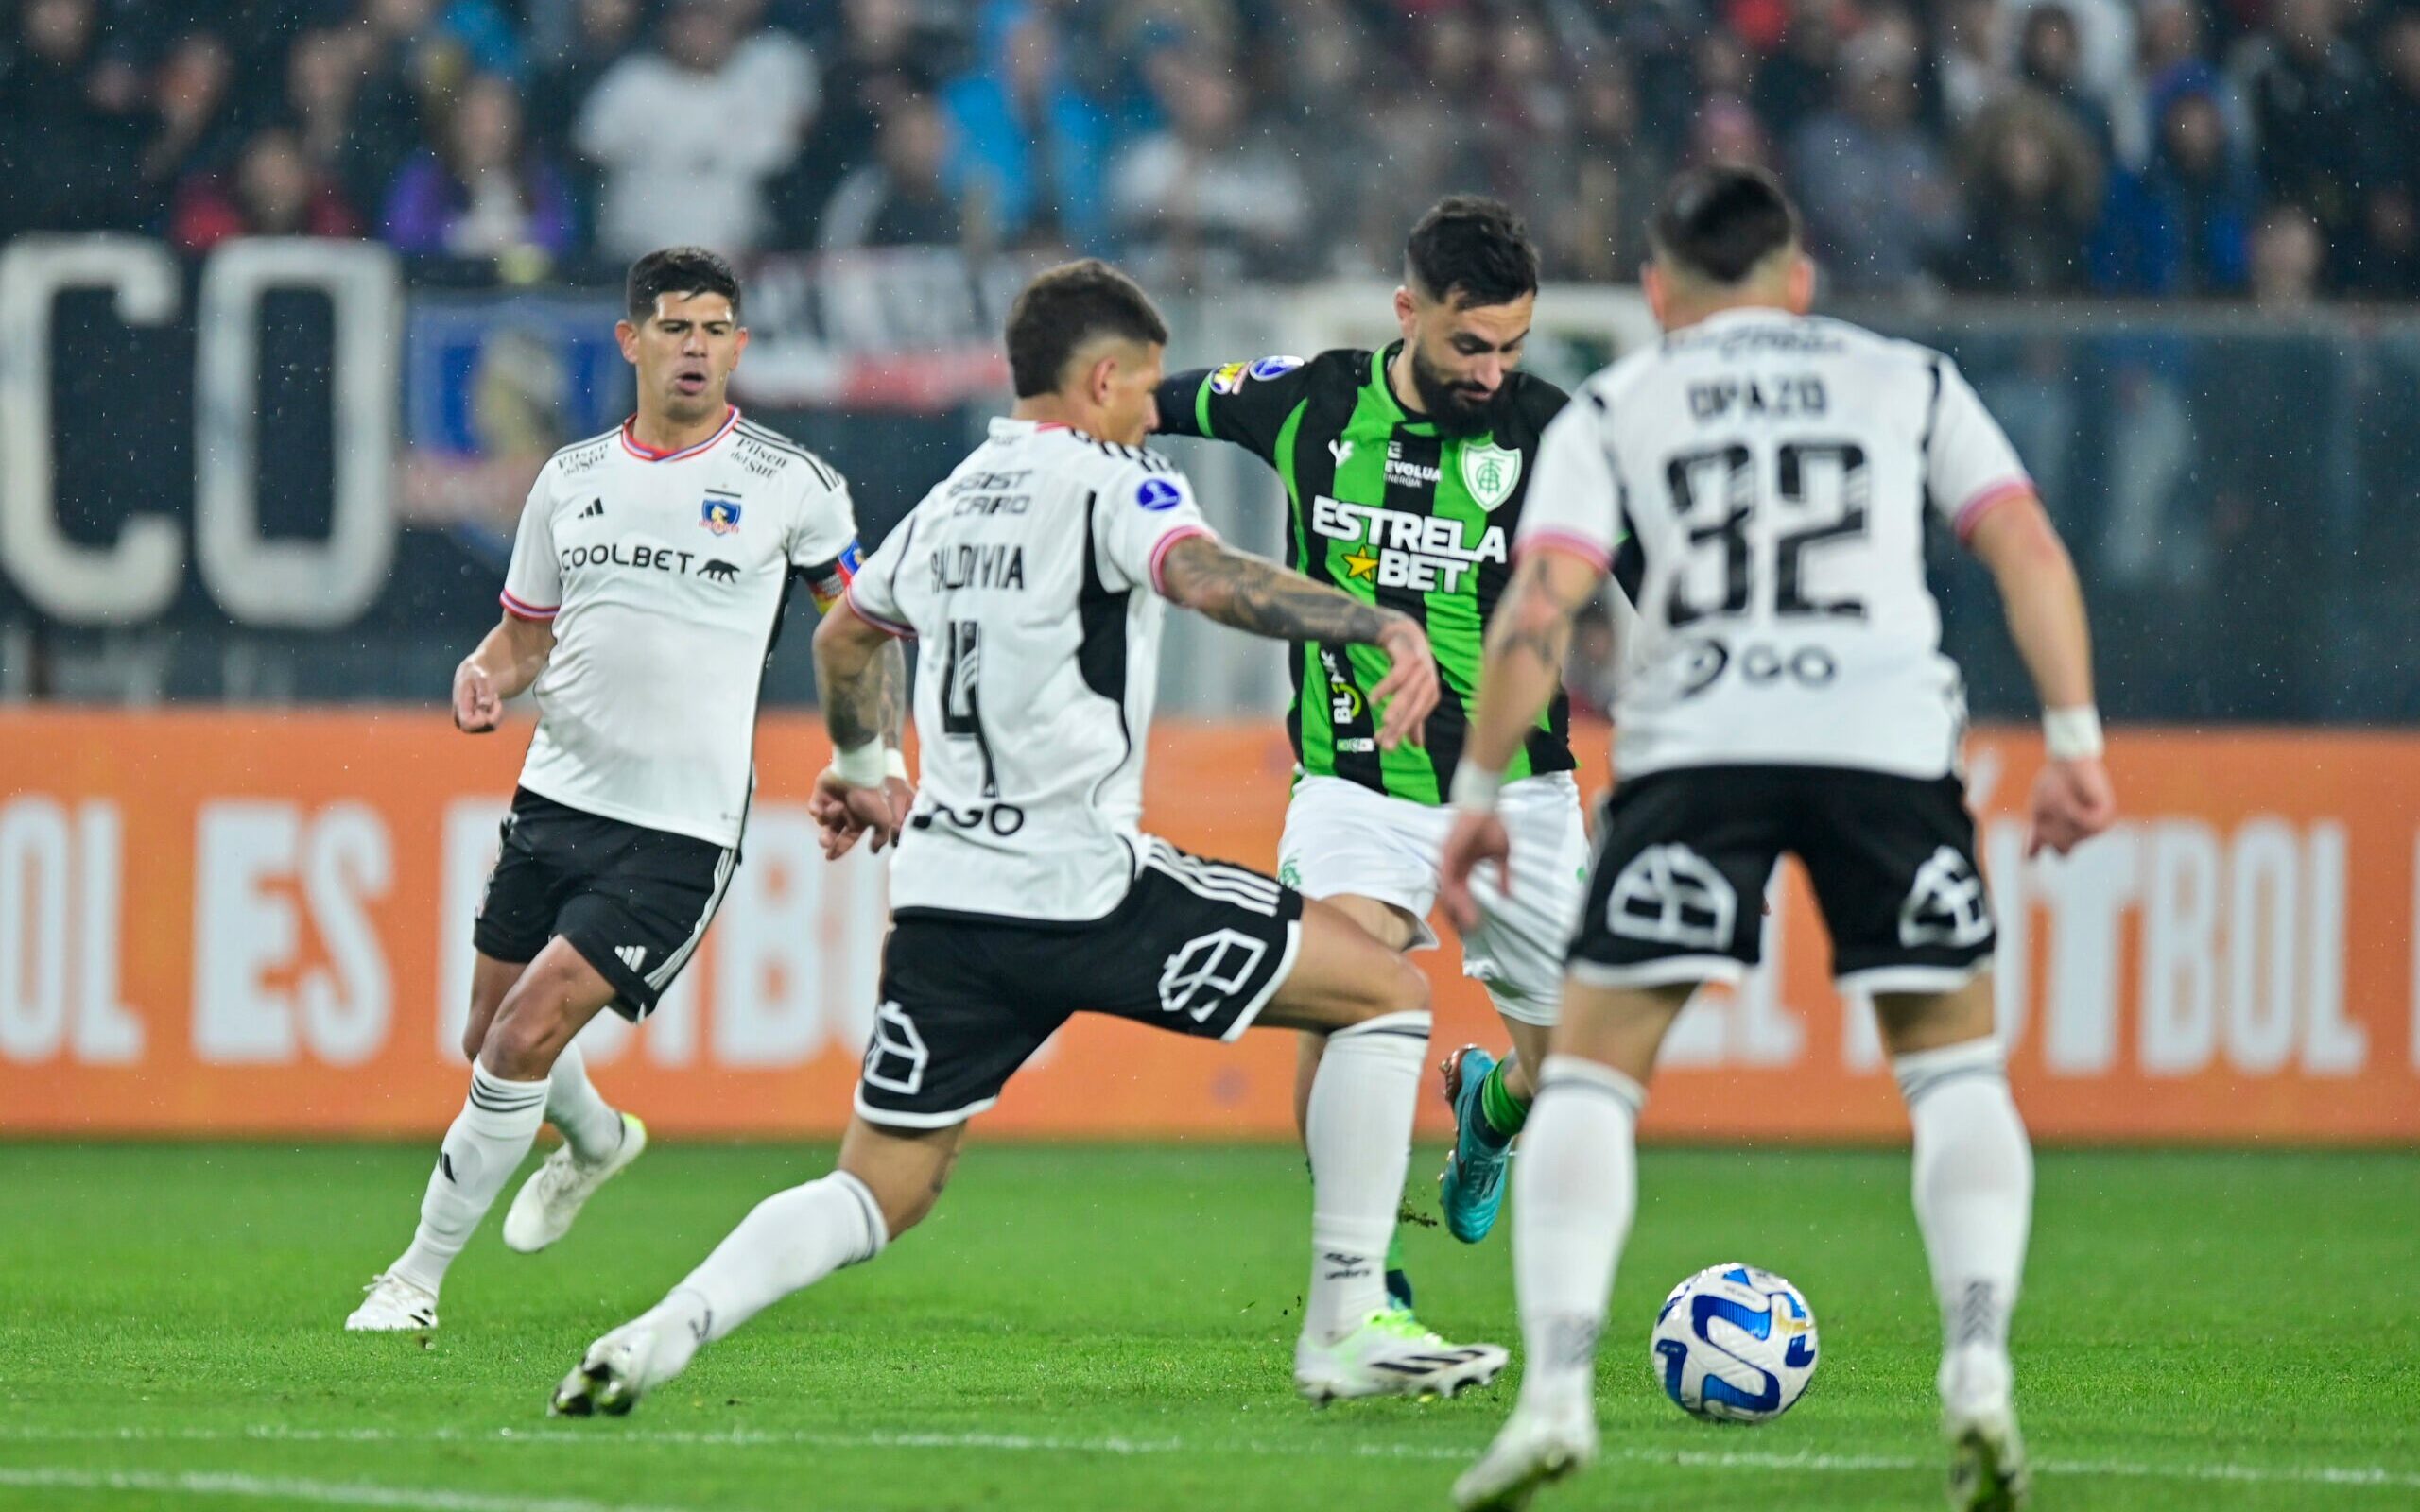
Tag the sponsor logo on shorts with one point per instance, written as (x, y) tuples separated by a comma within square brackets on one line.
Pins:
[(1946, 905), (1211, 969), (1670, 895)]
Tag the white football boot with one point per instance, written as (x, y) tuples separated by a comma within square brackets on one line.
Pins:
[(1536, 1446), (1987, 1470), (625, 1364), (542, 1210), (1391, 1354), (394, 1306)]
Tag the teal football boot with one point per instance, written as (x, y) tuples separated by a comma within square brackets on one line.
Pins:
[(1472, 1187)]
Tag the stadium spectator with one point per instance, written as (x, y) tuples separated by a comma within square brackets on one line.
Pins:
[(1967, 68), (2032, 180), (2050, 58), (443, 40), (1796, 83), (1528, 110), (72, 157), (2390, 262), (885, 50), (190, 100), (2287, 256), (1203, 201), (481, 191), (1879, 205), (2094, 41), (273, 190), (323, 76), (1028, 144), (1595, 212), (2314, 112), (901, 199), (2182, 225), (593, 36), (687, 133)]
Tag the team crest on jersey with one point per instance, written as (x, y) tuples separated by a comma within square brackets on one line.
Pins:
[(1227, 379), (1491, 472), (1267, 368), (719, 515)]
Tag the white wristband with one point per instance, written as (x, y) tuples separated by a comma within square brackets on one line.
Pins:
[(2073, 735), (861, 766), (894, 763), (1475, 788)]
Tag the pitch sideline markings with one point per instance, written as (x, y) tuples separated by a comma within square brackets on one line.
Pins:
[(1018, 1443), (278, 1488)]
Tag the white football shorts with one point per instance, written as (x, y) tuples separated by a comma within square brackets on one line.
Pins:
[(1341, 837)]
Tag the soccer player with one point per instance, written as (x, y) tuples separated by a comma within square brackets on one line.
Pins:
[(1407, 471), (1786, 693), (646, 590), (1024, 889)]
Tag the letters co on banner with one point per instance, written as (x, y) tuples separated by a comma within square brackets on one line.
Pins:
[(247, 922)]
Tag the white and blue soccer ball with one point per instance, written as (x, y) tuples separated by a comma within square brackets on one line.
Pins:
[(1734, 1344)]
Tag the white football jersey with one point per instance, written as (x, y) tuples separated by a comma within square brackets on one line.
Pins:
[(1775, 471), (1030, 579), (665, 575)]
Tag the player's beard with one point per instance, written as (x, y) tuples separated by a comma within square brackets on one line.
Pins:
[(1454, 408)]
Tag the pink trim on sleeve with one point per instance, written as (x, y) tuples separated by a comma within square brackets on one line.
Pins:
[(1970, 514), (856, 607), (1159, 553), (527, 612), (1565, 540)]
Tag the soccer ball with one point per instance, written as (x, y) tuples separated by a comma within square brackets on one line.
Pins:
[(1734, 1344)]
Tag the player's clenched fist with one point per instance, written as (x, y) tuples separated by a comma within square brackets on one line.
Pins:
[(476, 708), (2073, 800)]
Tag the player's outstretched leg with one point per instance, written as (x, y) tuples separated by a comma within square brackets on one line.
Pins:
[(1578, 1186), (1374, 1005), (1974, 1200), (887, 1182), (599, 1144), (1491, 1102), (552, 1000)]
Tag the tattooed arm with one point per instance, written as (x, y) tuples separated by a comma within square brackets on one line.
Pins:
[(1528, 639), (861, 677), (1259, 598)]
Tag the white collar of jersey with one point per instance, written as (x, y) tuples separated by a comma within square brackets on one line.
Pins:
[(649, 453), (1009, 428), (1746, 315)]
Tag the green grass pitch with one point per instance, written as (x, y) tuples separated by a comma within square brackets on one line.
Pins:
[(1110, 1328)]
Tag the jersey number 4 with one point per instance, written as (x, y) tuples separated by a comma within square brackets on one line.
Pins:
[(1717, 493)]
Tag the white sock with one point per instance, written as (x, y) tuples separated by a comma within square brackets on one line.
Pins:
[(587, 1123), (493, 1131), (793, 1239), (1360, 1136), (1974, 1188), (1574, 1191)]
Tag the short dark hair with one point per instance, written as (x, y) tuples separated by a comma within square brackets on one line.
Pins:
[(1473, 251), (1721, 221), (683, 271), (1066, 306)]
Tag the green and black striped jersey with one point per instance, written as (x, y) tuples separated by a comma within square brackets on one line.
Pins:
[(1389, 510)]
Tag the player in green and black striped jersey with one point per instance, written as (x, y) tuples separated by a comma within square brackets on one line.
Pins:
[(1405, 472)]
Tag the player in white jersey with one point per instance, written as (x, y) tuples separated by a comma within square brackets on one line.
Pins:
[(1024, 889), (1786, 693), (647, 587)]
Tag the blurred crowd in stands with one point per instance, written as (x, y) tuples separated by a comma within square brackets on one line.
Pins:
[(2256, 148)]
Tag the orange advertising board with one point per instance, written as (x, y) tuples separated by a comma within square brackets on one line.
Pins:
[(252, 922)]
